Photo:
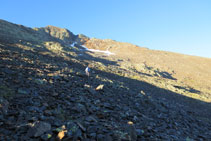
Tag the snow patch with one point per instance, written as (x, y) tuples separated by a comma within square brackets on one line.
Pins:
[(73, 44), (95, 50)]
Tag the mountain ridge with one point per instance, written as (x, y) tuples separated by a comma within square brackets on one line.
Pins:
[(65, 33)]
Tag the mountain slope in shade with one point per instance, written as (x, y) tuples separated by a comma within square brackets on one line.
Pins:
[(133, 93)]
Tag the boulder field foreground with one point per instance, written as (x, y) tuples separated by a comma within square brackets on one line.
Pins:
[(133, 93)]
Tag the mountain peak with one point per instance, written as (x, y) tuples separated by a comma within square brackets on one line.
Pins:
[(60, 33), (10, 32)]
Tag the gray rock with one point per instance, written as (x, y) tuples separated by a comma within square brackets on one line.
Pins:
[(92, 91), (108, 138), (81, 126), (8, 71), (4, 104), (33, 109), (139, 132), (100, 137), (40, 81), (38, 128), (46, 137), (93, 135), (90, 119), (71, 126), (92, 129), (23, 91), (132, 132), (78, 134), (79, 108)]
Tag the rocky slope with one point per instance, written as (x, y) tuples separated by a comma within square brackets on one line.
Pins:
[(143, 94)]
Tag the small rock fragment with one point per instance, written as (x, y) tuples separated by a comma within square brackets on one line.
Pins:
[(23, 91), (130, 123), (4, 104), (100, 87), (46, 137), (81, 126), (61, 134)]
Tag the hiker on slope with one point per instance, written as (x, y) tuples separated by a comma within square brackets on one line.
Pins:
[(87, 70)]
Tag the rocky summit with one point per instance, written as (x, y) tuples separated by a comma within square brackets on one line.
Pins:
[(132, 93)]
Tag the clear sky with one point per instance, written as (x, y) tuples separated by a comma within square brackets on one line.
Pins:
[(182, 26)]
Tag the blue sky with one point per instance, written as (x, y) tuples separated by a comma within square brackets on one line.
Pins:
[(182, 26)]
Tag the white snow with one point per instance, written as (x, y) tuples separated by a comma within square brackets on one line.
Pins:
[(73, 44), (95, 50)]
